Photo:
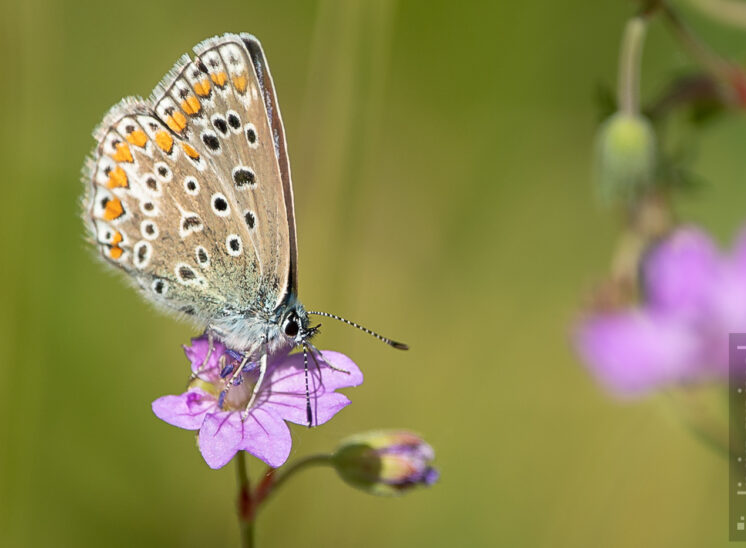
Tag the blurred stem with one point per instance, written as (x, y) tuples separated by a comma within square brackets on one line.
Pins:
[(273, 479), (649, 219), (652, 215), (708, 58), (629, 65), (244, 503), (687, 90)]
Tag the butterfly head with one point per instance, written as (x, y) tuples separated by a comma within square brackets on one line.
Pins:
[(296, 326)]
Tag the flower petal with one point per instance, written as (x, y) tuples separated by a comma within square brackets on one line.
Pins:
[(727, 315), (220, 437), (292, 407), (266, 436), (263, 434), (635, 352), (186, 410), (289, 375), (286, 391), (198, 350), (679, 274)]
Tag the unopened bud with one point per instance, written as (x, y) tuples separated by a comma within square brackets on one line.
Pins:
[(626, 156), (386, 462)]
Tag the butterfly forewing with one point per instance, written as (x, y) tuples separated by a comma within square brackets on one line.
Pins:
[(251, 172), (261, 69), (190, 191)]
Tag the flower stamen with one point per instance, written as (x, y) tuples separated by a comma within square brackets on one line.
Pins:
[(234, 380)]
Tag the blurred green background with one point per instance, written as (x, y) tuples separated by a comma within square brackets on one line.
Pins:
[(441, 153)]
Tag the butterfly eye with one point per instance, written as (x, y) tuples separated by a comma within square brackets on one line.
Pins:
[(292, 327)]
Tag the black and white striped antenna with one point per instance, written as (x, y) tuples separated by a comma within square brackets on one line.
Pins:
[(390, 342)]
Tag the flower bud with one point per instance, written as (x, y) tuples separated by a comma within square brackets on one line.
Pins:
[(626, 156), (385, 462)]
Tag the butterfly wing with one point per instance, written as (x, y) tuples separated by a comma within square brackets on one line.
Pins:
[(261, 69), (189, 192)]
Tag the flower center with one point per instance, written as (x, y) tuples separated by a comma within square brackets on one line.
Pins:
[(239, 387), (239, 393)]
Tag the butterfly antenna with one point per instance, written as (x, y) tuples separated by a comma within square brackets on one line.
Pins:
[(309, 415), (395, 344)]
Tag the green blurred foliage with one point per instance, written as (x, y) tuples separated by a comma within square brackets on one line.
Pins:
[(441, 154)]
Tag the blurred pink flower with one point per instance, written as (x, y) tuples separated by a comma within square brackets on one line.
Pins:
[(693, 298), (282, 397)]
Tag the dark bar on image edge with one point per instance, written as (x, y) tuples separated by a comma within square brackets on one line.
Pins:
[(737, 436)]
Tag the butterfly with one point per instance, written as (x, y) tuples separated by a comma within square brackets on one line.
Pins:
[(189, 194)]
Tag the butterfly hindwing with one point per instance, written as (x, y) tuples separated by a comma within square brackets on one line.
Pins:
[(188, 190)]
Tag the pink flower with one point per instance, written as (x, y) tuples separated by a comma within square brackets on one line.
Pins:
[(282, 397), (694, 297)]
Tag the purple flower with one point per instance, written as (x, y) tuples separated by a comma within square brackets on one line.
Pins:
[(282, 397), (694, 297), (385, 462)]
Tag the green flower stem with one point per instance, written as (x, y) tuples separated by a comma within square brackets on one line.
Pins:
[(720, 68), (629, 65), (244, 502), (274, 479)]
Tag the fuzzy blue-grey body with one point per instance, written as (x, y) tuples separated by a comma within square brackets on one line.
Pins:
[(244, 331)]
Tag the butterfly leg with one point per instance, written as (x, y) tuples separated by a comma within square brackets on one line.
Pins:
[(203, 365), (317, 351), (309, 414), (314, 351), (262, 371), (233, 376)]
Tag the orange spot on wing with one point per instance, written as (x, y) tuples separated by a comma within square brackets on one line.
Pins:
[(113, 209), (177, 122), (137, 138), (219, 78), (117, 239), (239, 82), (123, 153), (202, 88), (115, 252), (193, 154), (117, 178), (164, 140), (191, 105)]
